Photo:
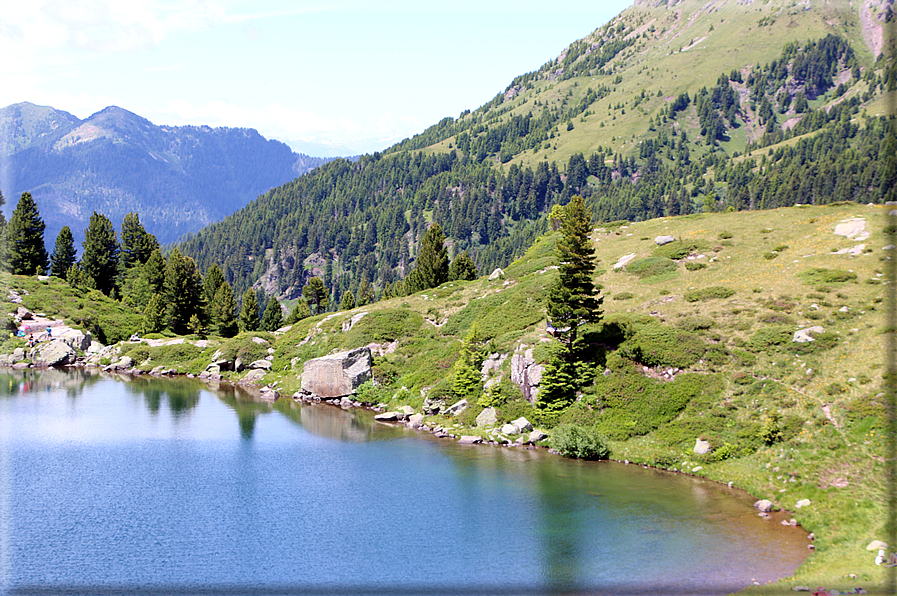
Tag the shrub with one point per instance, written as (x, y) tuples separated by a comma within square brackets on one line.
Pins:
[(709, 293), (819, 276), (780, 248), (623, 296), (772, 336), (572, 440), (770, 255), (695, 323), (680, 249), (651, 266), (692, 266), (658, 345), (776, 319), (724, 235)]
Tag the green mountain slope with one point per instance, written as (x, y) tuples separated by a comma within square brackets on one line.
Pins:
[(665, 110)]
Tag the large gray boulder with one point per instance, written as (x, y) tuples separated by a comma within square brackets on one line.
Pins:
[(525, 373), (488, 417), (53, 353), (338, 374)]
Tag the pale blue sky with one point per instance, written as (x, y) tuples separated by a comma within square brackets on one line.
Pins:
[(358, 74)]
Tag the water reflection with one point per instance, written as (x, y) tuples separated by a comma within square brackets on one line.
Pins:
[(181, 396), (15, 382), (246, 406)]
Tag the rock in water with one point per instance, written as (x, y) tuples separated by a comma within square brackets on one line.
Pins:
[(54, 353), (338, 374)]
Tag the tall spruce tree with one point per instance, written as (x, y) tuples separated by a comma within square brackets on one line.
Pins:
[(136, 243), (316, 295), (26, 252), (249, 312), (99, 260), (572, 302), (348, 301), (272, 320), (223, 311), (64, 253), (183, 292), (462, 268), (431, 267), (211, 282)]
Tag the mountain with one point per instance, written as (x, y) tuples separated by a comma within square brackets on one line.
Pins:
[(178, 178), (671, 108)]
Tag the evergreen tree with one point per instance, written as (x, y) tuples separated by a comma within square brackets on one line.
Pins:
[(572, 303), (73, 275), (99, 260), (272, 320), (211, 282), (136, 243), (462, 268), (26, 252), (316, 295), (63, 254), (183, 292), (249, 313), (154, 271), (348, 301), (466, 377), (223, 312), (299, 312), (365, 293), (154, 315), (431, 267)]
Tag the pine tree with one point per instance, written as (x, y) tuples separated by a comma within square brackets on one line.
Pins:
[(63, 254), (272, 320), (154, 270), (26, 252), (99, 260), (348, 301), (466, 377), (136, 243), (299, 312), (223, 312), (316, 295), (572, 302), (249, 313), (154, 315), (183, 292), (210, 284), (462, 268), (431, 267), (365, 293)]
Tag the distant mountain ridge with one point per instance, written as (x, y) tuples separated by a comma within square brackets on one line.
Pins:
[(178, 178)]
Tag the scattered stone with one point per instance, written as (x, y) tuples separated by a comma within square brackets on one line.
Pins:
[(701, 447), (697, 468), (497, 274), (470, 440), (416, 420), (536, 436), (406, 411), (488, 417), (432, 406), (523, 425), (509, 429), (764, 505), (261, 364), (806, 335), (661, 240), (802, 503), (624, 260), (253, 376), (456, 408), (387, 417), (259, 340)]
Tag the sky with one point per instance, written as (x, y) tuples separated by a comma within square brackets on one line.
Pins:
[(332, 77)]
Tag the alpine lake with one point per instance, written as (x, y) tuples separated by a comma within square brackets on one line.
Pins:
[(158, 486)]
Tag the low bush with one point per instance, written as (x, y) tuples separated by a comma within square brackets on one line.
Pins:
[(724, 235), (572, 440), (623, 296), (651, 266), (709, 293), (659, 345), (769, 337), (696, 323), (776, 319), (818, 276), (680, 249), (692, 266)]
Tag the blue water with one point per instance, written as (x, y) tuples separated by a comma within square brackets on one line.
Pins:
[(168, 487)]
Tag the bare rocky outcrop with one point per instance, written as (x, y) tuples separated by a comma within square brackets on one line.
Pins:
[(338, 374), (525, 373), (53, 353)]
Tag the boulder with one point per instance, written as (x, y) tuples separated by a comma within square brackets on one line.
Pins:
[(806, 335), (416, 420), (261, 364), (470, 440), (387, 416), (53, 353), (661, 240), (701, 447), (456, 408), (523, 425), (406, 410), (432, 405), (496, 274), (78, 340), (253, 376), (488, 417), (525, 373), (509, 429), (803, 503), (536, 436), (338, 374), (764, 505)]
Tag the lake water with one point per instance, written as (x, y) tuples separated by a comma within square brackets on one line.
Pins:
[(167, 487)]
